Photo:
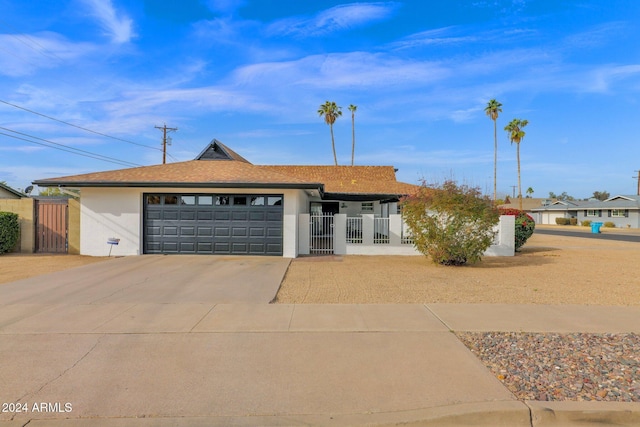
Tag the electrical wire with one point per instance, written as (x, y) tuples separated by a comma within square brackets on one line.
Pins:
[(66, 148), (78, 127)]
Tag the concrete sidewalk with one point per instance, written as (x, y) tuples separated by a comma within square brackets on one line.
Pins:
[(159, 364)]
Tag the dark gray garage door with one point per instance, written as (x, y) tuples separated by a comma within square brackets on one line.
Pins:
[(249, 224)]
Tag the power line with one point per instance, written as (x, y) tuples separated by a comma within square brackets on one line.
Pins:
[(78, 127), (66, 148)]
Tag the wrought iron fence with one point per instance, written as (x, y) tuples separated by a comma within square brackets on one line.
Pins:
[(354, 230), (321, 234), (406, 238), (380, 231)]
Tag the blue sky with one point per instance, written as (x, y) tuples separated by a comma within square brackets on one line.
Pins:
[(252, 74)]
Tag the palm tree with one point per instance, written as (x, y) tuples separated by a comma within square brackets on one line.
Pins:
[(529, 191), (330, 111), (353, 109), (492, 110), (514, 129)]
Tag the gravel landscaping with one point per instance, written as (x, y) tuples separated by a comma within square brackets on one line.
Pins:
[(549, 270), (544, 367)]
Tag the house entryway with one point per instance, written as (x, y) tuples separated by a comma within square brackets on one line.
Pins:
[(321, 227)]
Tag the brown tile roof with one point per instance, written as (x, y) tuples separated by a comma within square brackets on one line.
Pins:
[(349, 179), (193, 172), (528, 203), (233, 170)]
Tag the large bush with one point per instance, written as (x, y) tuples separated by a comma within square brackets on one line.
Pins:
[(452, 224), (9, 231), (524, 225)]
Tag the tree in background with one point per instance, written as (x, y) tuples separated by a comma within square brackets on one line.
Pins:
[(516, 134), (492, 110), (601, 195), (353, 109), (529, 192), (452, 224), (330, 111), (564, 196)]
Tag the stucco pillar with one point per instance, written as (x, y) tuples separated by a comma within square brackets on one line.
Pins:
[(367, 229), (303, 234), (340, 234)]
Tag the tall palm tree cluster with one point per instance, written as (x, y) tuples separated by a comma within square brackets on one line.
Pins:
[(516, 133), (330, 111)]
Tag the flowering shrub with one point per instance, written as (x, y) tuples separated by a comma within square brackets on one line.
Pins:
[(524, 225)]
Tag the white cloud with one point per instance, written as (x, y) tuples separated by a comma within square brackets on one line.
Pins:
[(336, 19), (24, 54), (118, 27), (355, 69)]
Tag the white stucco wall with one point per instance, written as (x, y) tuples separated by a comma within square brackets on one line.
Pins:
[(110, 212), (117, 213)]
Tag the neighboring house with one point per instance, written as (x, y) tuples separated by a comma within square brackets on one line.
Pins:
[(220, 203), (621, 210), (7, 192)]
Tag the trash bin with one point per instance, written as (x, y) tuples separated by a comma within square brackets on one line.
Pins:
[(595, 227)]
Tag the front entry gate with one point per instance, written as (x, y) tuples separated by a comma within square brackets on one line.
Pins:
[(321, 233)]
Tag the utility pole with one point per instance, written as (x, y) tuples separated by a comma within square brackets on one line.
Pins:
[(165, 129), (638, 177), (513, 187)]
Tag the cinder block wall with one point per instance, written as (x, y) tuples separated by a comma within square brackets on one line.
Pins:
[(24, 209), (74, 227)]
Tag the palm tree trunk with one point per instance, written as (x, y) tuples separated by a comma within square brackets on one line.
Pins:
[(519, 186), (353, 137), (495, 161), (333, 146)]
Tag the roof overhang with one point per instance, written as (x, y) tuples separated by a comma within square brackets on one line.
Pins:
[(111, 184), (348, 197)]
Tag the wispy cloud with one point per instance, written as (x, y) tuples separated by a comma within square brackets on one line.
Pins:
[(335, 19), (353, 70), (118, 27), (24, 54)]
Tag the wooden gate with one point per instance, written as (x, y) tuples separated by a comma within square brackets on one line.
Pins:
[(52, 229)]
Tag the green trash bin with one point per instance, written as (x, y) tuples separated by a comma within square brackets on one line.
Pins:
[(595, 227)]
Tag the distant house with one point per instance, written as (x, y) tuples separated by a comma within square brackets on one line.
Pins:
[(621, 210), (7, 192), (528, 203)]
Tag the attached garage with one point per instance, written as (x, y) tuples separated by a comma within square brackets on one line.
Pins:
[(240, 224)]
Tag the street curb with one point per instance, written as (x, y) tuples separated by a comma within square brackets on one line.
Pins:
[(584, 414), (480, 414)]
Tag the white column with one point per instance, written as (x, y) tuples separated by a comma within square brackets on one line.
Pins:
[(367, 229), (340, 234), (303, 234), (395, 229)]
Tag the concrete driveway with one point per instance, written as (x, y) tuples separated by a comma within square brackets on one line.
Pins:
[(155, 279)]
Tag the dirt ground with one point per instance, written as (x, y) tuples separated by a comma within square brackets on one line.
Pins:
[(549, 270), (22, 266)]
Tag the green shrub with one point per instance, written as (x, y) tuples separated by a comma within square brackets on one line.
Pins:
[(9, 231), (586, 223), (562, 221), (524, 225), (452, 224), (573, 221), (609, 224)]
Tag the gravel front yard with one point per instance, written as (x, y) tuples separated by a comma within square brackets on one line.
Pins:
[(549, 270)]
